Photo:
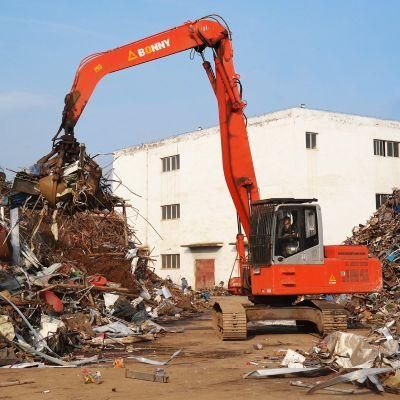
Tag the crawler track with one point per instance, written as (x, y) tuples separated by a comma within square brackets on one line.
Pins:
[(229, 318), (333, 317), (333, 320)]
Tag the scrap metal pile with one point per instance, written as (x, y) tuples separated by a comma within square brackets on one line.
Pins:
[(67, 179), (381, 234), (80, 283), (371, 362)]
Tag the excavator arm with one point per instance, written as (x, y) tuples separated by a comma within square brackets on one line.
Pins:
[(191, 35), (197, 35)]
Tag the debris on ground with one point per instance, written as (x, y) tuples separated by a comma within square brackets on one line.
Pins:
[(293, 359), (91, 376), (392, 383), (258, 346), (159, 375), (360, 376), (281, 372), (374, 361), (155, 362), (80, 283), (329, 389), (348, 350)]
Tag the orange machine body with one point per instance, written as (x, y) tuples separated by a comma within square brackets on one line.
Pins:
[(345, 269)]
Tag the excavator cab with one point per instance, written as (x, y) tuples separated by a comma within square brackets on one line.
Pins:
[(286, 259), (286, 231)]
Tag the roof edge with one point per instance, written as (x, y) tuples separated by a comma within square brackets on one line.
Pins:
[(252, 119)]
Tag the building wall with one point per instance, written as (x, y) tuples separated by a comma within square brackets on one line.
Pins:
[(342, 173)]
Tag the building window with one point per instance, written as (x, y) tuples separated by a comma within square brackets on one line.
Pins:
[(392, 149), (171, 163), (386, 148), (381, 198), (379, 147), (171, 211), (170, 261), (311, 140)]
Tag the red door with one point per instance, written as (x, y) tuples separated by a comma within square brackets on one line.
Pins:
[(204, 272)]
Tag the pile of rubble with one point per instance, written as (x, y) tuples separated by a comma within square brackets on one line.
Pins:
[(369, 362), (381, 234), (76, 282)]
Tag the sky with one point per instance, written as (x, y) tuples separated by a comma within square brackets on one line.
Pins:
[(337, 55)]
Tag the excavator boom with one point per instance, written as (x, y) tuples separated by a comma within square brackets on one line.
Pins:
[(196, 35), (96, 66)]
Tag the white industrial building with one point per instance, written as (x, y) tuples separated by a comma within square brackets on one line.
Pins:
[(348, 162)]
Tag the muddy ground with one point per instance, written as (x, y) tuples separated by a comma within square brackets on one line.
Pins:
[(207, 369)]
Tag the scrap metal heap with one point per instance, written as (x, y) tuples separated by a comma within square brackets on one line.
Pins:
[(66, 178), (81, 283), (381, 234), (368, 362)]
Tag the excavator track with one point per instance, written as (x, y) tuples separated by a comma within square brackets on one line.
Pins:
[(231, 314), (229, 318), (333, 316), (333, 321)]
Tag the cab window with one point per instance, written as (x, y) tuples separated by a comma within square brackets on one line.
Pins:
[(287, 233), (296, 230), (311, 228)]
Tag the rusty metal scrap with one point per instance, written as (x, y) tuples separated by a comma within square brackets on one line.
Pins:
[(381, 234), (351, 377), (81, 266), (66, 178), (159, 375), (86, 261)]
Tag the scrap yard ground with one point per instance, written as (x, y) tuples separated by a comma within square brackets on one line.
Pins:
[(207, 369)]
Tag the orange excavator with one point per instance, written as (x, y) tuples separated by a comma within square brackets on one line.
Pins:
[(286, 257)]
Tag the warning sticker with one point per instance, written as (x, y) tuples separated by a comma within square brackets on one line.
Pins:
[(132, 55), (332, 280)]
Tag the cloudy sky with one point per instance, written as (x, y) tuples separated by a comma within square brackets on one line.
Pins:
[(340, 55)]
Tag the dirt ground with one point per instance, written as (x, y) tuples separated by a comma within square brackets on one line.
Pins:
[(207, 369)]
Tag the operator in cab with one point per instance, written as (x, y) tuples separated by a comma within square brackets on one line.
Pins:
[(287, 240), (287, 228)]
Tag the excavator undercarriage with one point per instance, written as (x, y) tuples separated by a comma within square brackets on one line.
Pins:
[(231, 315)]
